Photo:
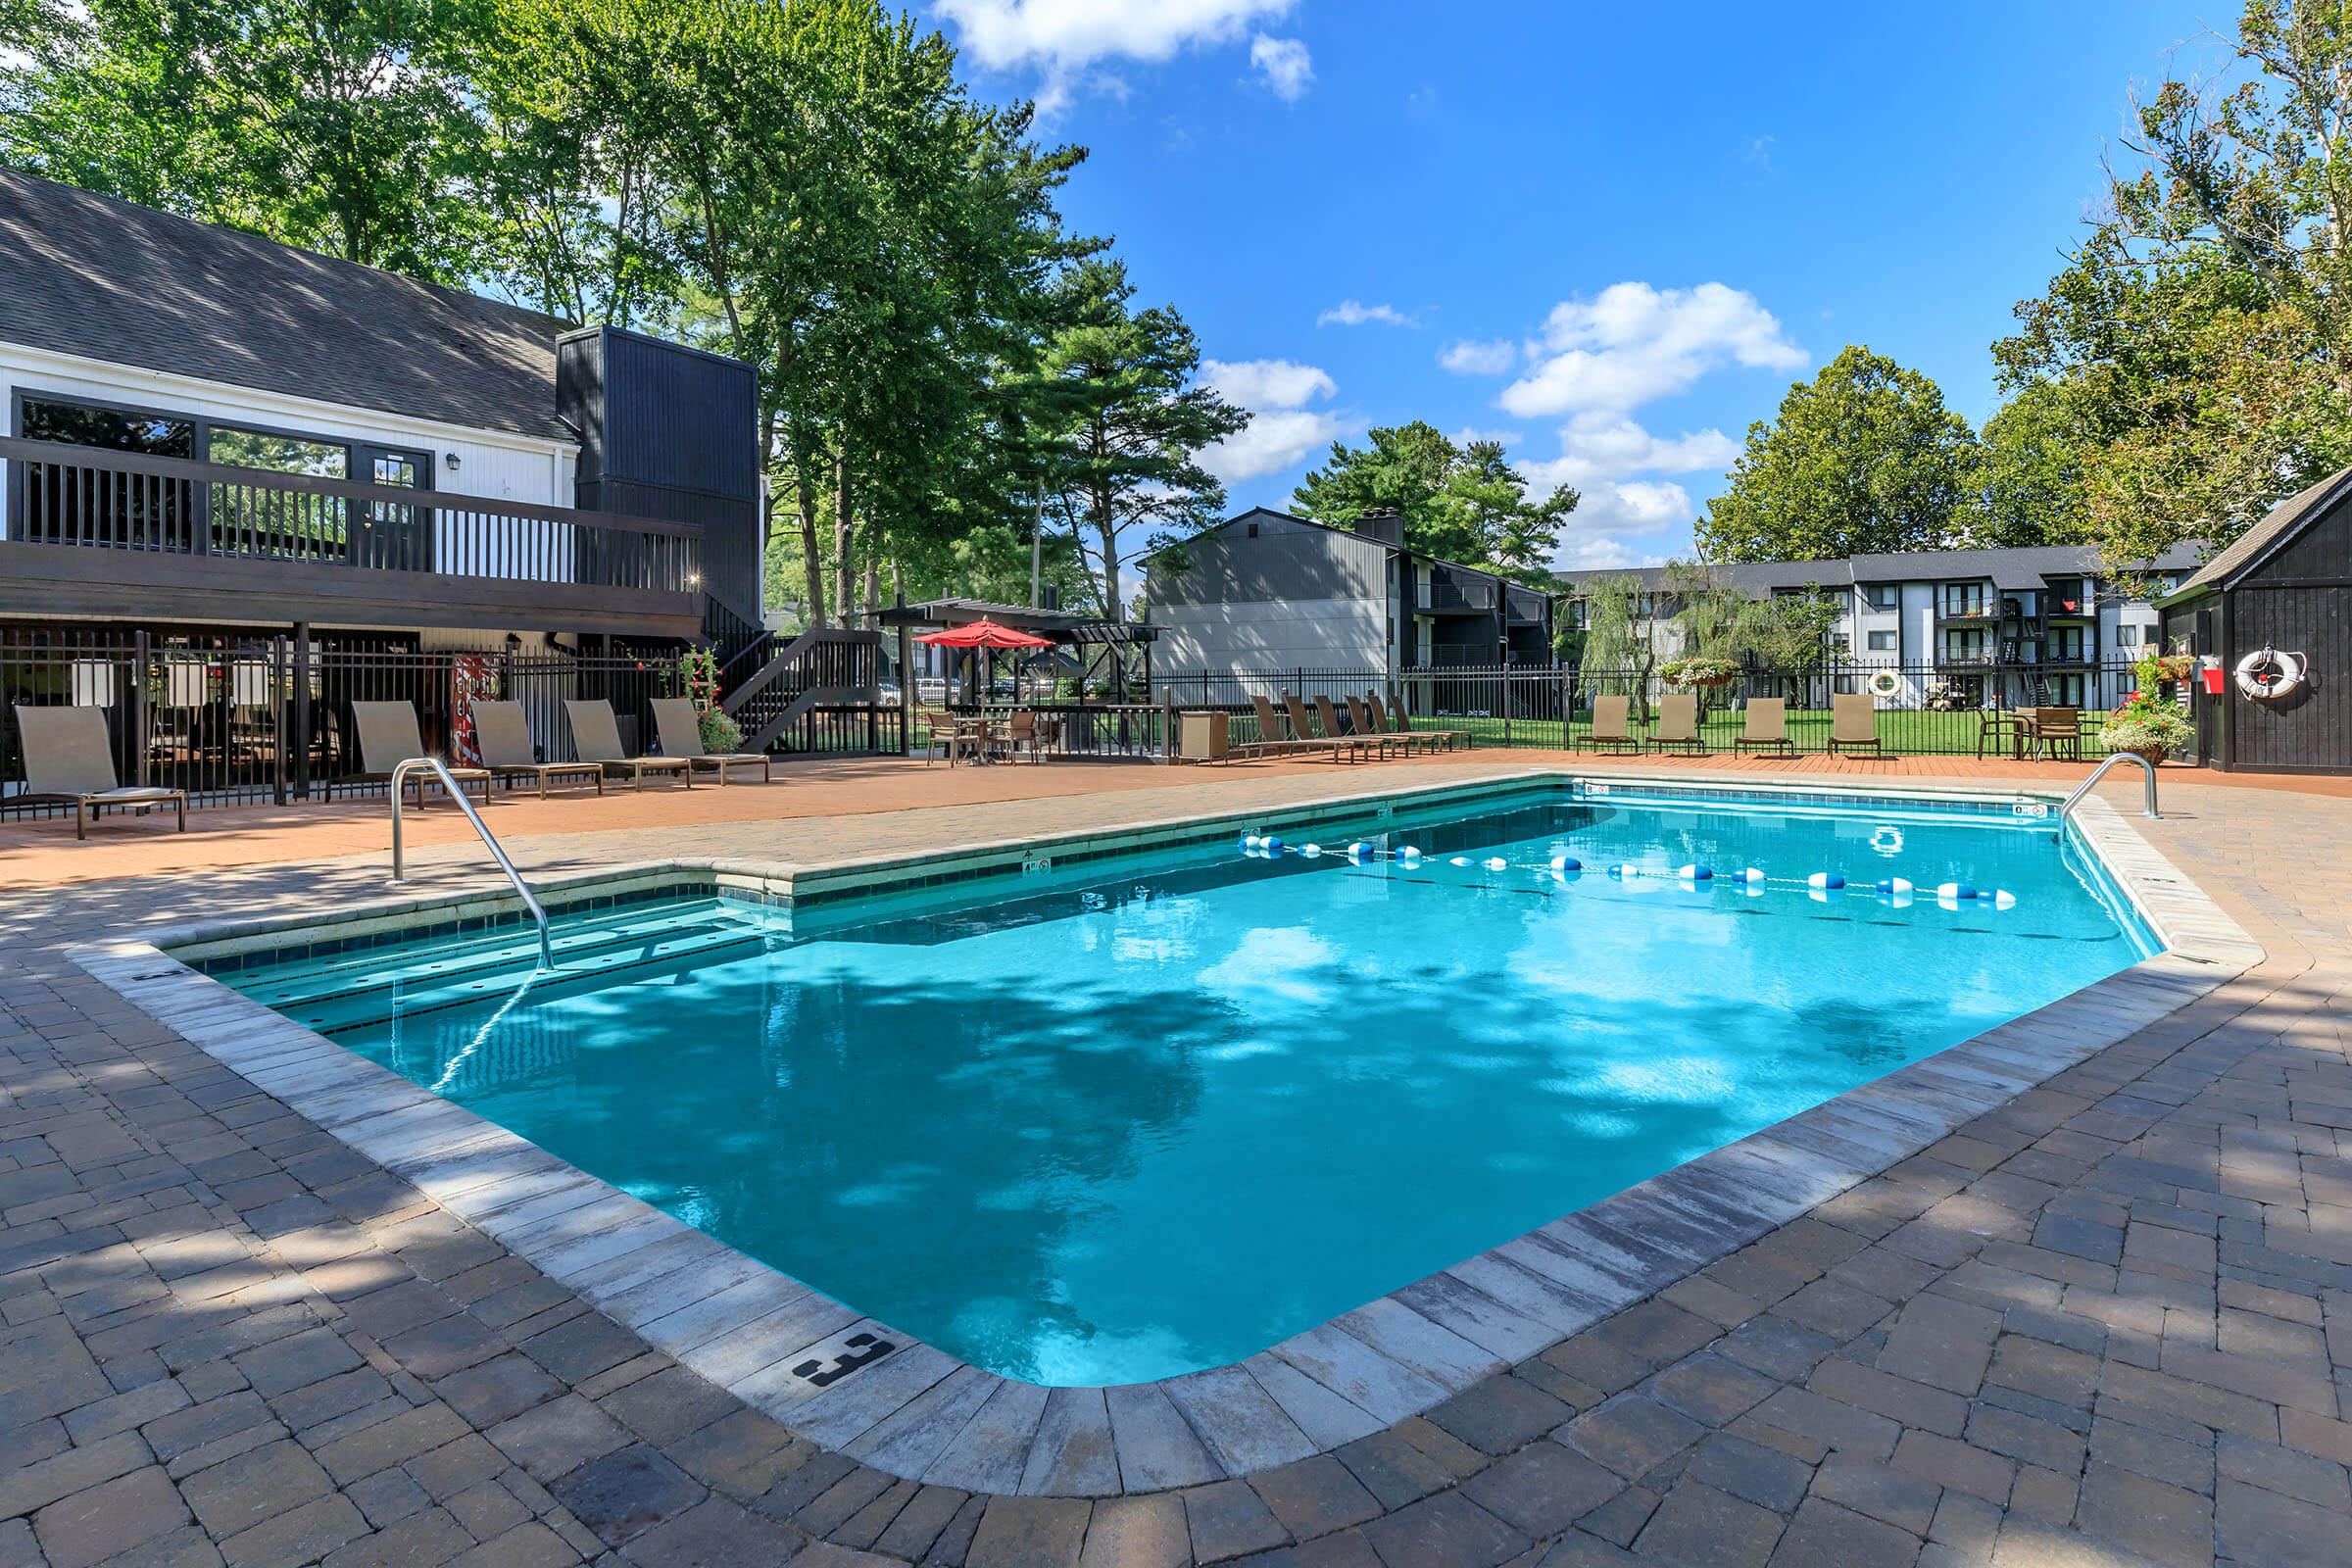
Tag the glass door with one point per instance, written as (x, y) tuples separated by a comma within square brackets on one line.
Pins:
[(392, 536)]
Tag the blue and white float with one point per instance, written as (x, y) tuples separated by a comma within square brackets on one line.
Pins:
[(1565, 863), (1311, 850), (2003, 899), (1959, 890), (1625, 871), (1409, 854), (1895, 887), (1496, 863), (1823, 881), (1359, 850), (1695, 873), (1272, 846)]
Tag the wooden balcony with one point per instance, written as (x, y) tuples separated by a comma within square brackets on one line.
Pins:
[(120, 536)]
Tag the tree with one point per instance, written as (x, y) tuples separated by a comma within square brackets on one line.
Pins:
[(1458, 502), (1864, 458), (1124, 420), (2200, 337), (343, 126), (2032, 473), (1619, 645)]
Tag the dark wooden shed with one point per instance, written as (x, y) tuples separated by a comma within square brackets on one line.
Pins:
[(2285, 584)]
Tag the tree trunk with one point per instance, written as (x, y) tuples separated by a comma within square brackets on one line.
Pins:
[(813, 559), (1108, 529), (845, 532)]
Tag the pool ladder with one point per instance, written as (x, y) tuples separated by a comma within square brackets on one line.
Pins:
[(400, 873), (2099, 773)]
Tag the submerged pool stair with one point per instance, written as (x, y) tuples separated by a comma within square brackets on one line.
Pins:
[(357, 987)]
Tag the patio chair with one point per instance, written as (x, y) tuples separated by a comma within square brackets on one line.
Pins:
[(2000, 729), (1327, 714), (503, 737), (1303, 726), (1023, 733), (1678, 724), (1854, 723), (1612, 725), (1359, 714), (681, 731), (1436, 740), (595, 737), (2057, 732), (389, 737), (1270, 741), (68, 762), (1766, 727)]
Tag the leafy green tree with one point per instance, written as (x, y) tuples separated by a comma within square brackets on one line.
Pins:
[(2200, 337), (1125, 421), (1617, 649), (1863, 458), (343, 126), (1460, 503), (2032, 473)]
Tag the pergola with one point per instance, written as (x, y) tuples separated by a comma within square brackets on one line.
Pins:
[(1116, 654)]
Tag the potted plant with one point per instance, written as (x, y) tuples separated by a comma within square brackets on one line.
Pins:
[(1697, 670), (2146, 725)]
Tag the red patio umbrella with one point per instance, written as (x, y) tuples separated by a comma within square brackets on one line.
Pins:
[(984, 634)]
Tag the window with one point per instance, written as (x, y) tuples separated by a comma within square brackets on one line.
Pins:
[(279, 454), (2127, 636), (1882, 642), (153, 435), (1883, 594)]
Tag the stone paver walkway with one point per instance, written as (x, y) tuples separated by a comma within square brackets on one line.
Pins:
[(2107, 1323)]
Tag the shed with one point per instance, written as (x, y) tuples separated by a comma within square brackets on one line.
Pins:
[(2284, 584)]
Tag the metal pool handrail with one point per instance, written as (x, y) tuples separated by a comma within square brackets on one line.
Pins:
[(2099, 773), (400, 774)]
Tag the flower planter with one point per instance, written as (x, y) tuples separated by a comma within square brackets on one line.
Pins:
[(2151, 754)]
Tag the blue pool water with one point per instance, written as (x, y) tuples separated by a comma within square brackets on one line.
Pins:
[(1159, 1114)]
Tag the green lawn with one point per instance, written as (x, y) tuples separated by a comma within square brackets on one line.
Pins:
[(1901, 730)]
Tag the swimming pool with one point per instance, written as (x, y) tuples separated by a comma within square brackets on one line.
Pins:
[(1156, 1114)]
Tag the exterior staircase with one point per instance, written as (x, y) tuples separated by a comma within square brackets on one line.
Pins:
[(825, 673)]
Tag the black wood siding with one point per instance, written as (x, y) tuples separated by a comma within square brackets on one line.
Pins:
[(669, 432)]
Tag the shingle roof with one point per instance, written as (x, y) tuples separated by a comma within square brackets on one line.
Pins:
[(2283, 519), (87, 275), (2012, 570)]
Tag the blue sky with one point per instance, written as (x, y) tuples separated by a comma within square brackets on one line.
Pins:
[(1614, 239)]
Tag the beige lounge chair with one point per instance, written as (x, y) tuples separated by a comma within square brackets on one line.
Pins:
[(681, 731), (595, 737), (1436, 740), (1678, 724), (1303, 727), (68, 762), (1767, 726), (503, 735), (1612, 725), (1854, 722), (389, 737)]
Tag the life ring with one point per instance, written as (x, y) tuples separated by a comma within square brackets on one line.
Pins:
[(2270, 673), (1886, 683)]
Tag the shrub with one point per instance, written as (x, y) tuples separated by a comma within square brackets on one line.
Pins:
[(1697, 671), (720, 733)]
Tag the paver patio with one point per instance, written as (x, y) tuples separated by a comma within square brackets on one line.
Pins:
[(2103, 1324)]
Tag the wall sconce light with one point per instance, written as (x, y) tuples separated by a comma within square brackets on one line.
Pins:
[(452, 461)]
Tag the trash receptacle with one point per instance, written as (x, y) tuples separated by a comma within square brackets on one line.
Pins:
[(1200, 737)]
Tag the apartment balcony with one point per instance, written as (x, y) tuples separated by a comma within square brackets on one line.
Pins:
[(1965, 612), (117, 535), (1964, 659), (1443, 597)]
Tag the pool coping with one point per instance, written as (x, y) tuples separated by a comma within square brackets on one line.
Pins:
[(851, 1384)]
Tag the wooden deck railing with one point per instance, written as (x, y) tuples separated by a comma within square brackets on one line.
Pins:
[(84, 496)]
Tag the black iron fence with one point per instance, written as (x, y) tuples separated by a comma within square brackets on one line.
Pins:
[(1943, 709), (235, 720)]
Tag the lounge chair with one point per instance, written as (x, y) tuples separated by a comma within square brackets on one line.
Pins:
[(1612, 725), (1327, 714), (1359, 714), (595, 737), (503, 736), (1854, 723), (68, 762), (389, 737), (1678, 724), (1436, 740), (1303, 726), (1270, 741), (681, 731), (1767, 726)]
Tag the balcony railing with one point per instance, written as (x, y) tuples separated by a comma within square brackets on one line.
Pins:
[(1439, 595), (67, 495)]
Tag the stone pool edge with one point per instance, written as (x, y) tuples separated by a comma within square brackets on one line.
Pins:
[(918, 1412)]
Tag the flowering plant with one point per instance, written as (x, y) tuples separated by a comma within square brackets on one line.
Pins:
[(1695, 670)]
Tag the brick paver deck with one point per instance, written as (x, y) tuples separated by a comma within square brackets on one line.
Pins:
[(2101, 1325)]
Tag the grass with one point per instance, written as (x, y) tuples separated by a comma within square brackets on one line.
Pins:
[(1903, 731)]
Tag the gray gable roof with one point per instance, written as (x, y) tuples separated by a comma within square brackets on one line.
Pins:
[(2015, 570), (108, 279), (2283, 522)]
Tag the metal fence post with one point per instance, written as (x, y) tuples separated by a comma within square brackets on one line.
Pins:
[(138, 718)]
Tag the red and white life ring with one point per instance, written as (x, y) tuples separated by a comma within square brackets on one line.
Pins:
[(2270, 673)]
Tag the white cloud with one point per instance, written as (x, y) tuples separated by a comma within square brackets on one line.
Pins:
[(1354, 313), (1471, 358), (1065, 40), (1282, 429), (1632, 343), (1267, 383), (1286, 65), (1600, 445), (1471, 432)]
